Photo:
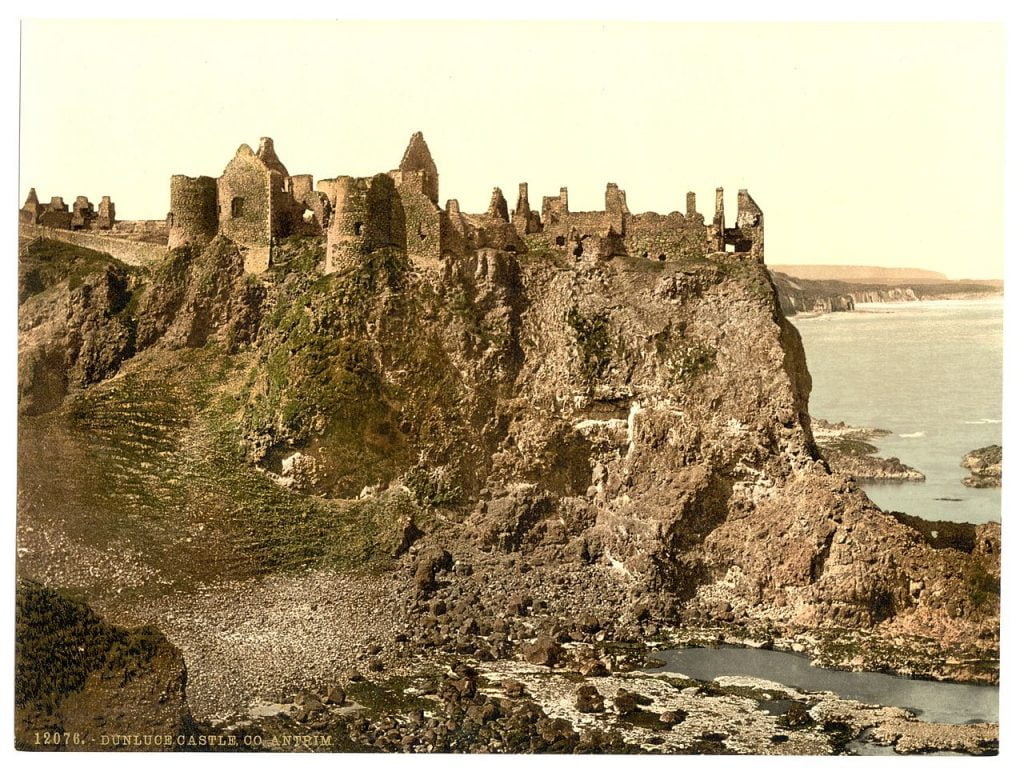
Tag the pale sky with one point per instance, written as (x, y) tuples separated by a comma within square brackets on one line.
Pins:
[(863, 143)]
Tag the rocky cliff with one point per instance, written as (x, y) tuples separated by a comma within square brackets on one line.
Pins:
[(645, 421)]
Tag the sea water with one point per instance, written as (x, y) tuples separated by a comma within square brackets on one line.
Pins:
[(947, 702), (930, 372)]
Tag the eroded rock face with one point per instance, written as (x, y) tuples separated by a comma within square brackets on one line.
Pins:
[(830, 558), (72, 331), (647, 417), (197, 295), (82, 313), (76, 673)]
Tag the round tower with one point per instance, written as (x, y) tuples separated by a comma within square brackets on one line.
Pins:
[(347, 233), (192, 219)]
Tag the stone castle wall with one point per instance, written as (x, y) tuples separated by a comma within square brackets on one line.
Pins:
[(129, 251), (244, 197), (674, 237), (151, 231), (256, 203), (422, 224)]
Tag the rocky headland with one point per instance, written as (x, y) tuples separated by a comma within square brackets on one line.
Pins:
[(986, 467), (452, 507)]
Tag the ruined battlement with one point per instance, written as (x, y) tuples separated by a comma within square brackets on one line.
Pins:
[(256, 202), (259, 203), (83, 215)]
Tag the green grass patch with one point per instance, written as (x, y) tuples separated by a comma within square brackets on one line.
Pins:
[(158, 465)]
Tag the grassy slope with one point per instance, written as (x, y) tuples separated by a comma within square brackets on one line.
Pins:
[(152, 458)]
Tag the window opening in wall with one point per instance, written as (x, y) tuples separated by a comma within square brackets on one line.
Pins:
[(170, 219), (358, 227), (661, 257), (237, 207), (730, 248), (307, 216), (560, 241)]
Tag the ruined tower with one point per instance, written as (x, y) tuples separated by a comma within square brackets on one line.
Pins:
[(56, 215), (749, 232), (526, 221), (192, 219), (367, 216), (498, 207), (717, 232), (418, 163), (106, 216), (31, 210), (615, 207), (82, 213)]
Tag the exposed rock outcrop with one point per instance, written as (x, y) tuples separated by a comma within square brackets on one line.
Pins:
[(74, 323), (986, 467), (646, 419), (849, 452), (83, 313), (196, 294)]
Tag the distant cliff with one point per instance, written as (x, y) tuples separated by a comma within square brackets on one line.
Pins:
[(798, 295), (860, 273)]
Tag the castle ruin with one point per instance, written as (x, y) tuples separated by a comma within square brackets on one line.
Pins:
[(256, 203), (56, 215)]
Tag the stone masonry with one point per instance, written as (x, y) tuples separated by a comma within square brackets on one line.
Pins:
[(56, 215), (256, 203)]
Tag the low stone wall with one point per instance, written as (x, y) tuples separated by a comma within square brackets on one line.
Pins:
[(128, 251), (151, 231)]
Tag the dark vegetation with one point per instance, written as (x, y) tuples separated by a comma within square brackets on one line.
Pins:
[(59, 642), (45, 263), (590, 332)]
